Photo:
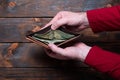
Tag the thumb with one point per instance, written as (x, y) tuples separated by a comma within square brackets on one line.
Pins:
[(56, 49), (59, 23)]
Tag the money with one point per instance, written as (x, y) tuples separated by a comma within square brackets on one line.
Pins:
[(53, 36)]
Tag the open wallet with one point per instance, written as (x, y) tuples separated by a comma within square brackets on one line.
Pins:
[(59, 37)]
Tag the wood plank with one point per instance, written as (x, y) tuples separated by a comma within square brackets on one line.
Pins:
[(15, 29), (32, 55), (51, 74), (28, 55), (29, 61), (48, 8)]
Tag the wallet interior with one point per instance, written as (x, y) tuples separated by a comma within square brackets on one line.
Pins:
[(47, 35)]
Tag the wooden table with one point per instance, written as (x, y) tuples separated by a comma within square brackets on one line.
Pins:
[(23, 60)]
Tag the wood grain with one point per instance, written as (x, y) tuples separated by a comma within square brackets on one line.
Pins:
[(46, 8), (15, 29), (51, 74), (23, 60), (28, 55), (30, 62), (32, 55)]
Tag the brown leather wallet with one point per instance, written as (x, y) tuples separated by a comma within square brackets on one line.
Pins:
[(31, 37)]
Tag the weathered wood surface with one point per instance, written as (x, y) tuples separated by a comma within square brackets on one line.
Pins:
[(46, 8), (32, 55), (29, 61), (27, 55), (15, 29), (22, 60), (51, 74)]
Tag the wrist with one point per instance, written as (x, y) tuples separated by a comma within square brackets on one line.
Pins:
[(84, 52), (84, 19)]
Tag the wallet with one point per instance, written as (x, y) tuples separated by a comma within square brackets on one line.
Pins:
[(59, 37)]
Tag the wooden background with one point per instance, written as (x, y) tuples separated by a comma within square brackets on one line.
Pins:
[(23, 60)]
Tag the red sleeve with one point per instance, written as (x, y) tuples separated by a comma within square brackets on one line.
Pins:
[(104, 61), (105, 19)]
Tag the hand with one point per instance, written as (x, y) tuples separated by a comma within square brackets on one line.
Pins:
[(76, 52), (74, 21)]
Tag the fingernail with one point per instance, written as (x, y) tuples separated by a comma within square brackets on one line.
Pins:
[(50, 45), (52, 28)]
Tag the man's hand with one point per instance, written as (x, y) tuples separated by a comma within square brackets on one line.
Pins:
[(73, 21), (77, 52)]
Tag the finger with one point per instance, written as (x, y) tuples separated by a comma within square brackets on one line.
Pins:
[(57, 17), (56, 49), (55, 55), (47, 25), (60, 22), (49, 52)]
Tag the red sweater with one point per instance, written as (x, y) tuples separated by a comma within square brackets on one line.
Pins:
[(105, 19)]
